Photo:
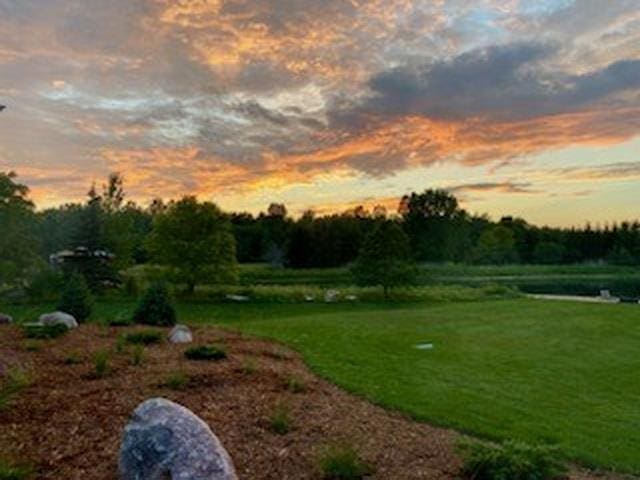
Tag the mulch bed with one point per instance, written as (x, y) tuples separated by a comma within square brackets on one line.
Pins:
[(68, 424)]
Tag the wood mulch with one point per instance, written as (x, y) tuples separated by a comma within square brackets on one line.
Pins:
[(68, 424)]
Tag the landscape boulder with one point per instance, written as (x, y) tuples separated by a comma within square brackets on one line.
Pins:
[(180, 334), (331, 296), (58, 318), (237, 298), (5, 319), (166, 440)]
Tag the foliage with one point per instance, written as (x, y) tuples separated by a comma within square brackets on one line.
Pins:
[(510, 461), (10, 471), (177, 381), (548, 253), (101, 363), (18, 241), (74, 358), (143, 337), (155, 307), (137, 356), (496, 246), (384, 259), (120, 320), (76, 298), (280, 420), (45, 284), (196, 241), (342, 462), (296, 385), (205, 352), (42, 332), (14, 380)]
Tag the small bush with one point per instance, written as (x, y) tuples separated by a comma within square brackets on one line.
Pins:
[(296, 385), (76, 298), (205, 352), (43, 332), (342, 462), (9, 471), (280, 420), (510, 461), (249, 366), (101, 363), (177, 381), (74, 358), (155, 308), (14, 381), (137, 356), (143, 337)]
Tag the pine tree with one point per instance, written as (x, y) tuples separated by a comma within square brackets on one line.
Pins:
[(76, 297)]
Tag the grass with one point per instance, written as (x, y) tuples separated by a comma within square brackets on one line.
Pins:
[(560, 373), (143, 337), (296, 385), (44, 332), (342, 462), (10, 471), (137, 356), (205, 352), (11, 384), (280, 420), (177, 381), (101, 364)]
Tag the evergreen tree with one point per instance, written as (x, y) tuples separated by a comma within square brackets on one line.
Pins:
[(76, 297), (155, 308)]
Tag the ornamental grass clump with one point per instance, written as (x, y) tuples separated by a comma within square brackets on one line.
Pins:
[(205, 352), (343, 462)]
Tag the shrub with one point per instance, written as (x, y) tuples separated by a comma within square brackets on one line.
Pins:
[(155, 307), (280, 420), (296, 385), (143, 337), (205, 352), (249, 366), (74, 358), (76, 298), (14, 381), (342, 462), (44, 331), (121, 320), (101, 363), (510, 461), (177, 381), (9, 471), (138, 355)]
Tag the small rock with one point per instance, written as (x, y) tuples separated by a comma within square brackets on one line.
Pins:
[(180, 334), (5, 319), (166, 440), (331, 296), (237, 298), (56, 318), (310, 298), (351, 298)]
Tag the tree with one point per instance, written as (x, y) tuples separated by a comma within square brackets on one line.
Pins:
[(548, 253), (155, 308), (18, 243), (496, 245), (196, 241), (385, 258), (76, 298)]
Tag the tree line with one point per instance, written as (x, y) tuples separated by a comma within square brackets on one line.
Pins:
[(200, 241)]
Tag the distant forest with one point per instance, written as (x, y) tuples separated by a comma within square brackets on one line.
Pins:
[(439, 230)]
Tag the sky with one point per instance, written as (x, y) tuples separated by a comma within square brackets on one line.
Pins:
[(519, 107)]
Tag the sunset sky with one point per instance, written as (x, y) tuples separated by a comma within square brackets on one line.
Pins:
[(523, 107)]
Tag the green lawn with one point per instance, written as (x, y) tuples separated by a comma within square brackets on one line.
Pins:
[(559, 372)]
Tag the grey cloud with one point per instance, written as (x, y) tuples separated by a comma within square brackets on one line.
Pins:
[(503, 187)]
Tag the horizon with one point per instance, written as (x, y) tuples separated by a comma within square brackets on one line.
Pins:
[(519, 108)]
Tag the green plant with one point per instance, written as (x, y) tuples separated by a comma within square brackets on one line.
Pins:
[(76, 298), (342, 462), (10, 471), (137, 356), (143, 337), (121, 320), (249, 365), (205, 352), (15, 380), (296, 385), (101, 363), (280, 420), (510, 461), (32, 345), (74, 358), (155, 307), (44, 331), (177, 381)]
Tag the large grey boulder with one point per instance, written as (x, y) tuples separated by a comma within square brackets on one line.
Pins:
[(165, 440), (180, 334), (56, 318), (5, 319)]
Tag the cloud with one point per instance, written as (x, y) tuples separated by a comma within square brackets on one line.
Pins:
[(495, 187)]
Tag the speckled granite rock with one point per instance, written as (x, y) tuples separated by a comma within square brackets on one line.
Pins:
[(165, 440), (180, 334), (56, 318)]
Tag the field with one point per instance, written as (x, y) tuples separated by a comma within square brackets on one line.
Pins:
[(553, 372)]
